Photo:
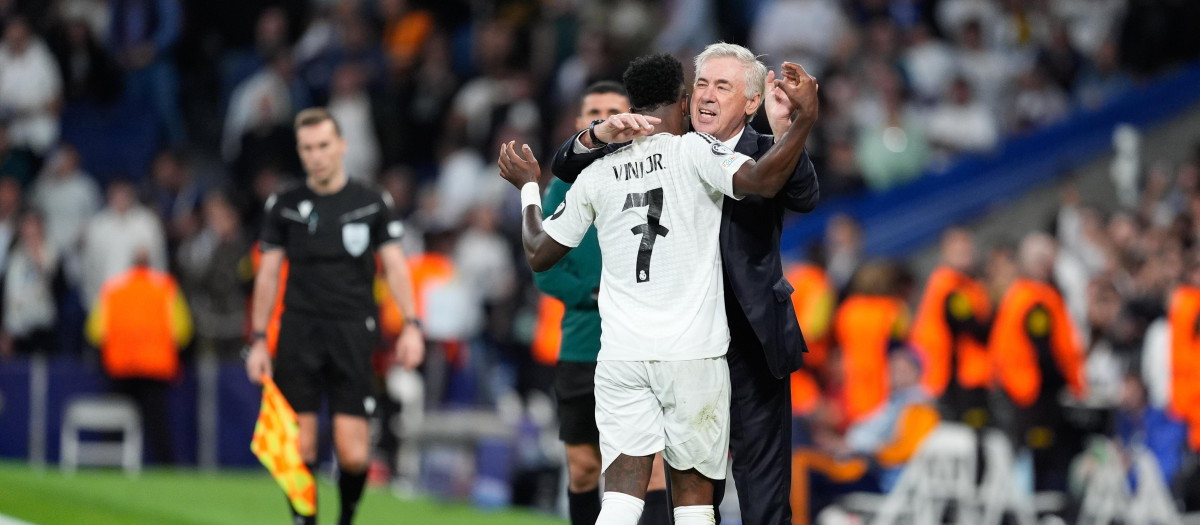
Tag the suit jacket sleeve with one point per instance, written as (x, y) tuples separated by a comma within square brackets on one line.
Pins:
[(800, 192), (567, 164)]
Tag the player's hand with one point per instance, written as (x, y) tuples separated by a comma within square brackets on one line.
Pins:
[(625, 127), (779, 108), (801, 90), (410, 348), (258, 361), (517, 168)]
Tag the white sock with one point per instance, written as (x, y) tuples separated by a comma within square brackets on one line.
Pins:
[(694, 515), (619, 508)]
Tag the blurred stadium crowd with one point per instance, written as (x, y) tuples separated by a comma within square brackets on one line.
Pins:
[(425, 91)]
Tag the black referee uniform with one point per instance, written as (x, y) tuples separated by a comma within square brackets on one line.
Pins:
[(330, 321)]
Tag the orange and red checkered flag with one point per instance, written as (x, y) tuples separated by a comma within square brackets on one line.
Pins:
[(276, 443)]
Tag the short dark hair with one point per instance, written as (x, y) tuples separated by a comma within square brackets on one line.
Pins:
[(605, 86), (316, 115), (653, 81)]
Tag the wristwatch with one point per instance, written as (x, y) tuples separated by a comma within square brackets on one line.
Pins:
[(413, 321), (592, 134)]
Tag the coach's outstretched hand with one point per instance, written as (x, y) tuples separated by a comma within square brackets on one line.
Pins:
[(258, 361), (801, 91), (410, 348), (518, 167), (625, 127)]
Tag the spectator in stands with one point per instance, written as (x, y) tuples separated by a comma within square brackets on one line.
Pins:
[(484, 258), (814, 33), (874, 451), (843, 247), (405, 32), (270, 39), (32, 283), (30, 89), (892, 150), (89, 73), (140, 322), (142, 37), (962, 123), (350, 104), (1059, 60), (10, 214), (988, 70), (1140, 425), (260, 106), (116, 234), (17, 163), (211, 275), (840, 175), (929, 65), (1038, 102), (1038, 353), (1101, 79), (69, 198), (174, 193)]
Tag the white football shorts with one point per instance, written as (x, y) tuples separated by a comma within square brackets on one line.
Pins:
[(679, 408)]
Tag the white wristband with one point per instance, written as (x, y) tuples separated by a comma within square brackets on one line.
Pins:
[(531, 195)]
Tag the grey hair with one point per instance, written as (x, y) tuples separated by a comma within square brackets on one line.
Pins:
[(756, 71)]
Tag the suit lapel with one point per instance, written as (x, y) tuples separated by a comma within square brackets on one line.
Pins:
[(748, 143)]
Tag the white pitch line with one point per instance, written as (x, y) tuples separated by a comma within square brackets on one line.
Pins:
[(5, 520)]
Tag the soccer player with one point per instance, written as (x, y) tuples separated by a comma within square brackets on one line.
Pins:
[(330, 230), (766, 344), (662, 383), (574, 281)]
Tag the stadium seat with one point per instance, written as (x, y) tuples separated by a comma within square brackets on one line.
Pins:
[(107, 413)]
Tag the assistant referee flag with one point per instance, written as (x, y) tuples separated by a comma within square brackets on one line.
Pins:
[(277, 445)]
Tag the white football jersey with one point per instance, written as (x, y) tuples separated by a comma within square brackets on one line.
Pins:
[(656, 204)]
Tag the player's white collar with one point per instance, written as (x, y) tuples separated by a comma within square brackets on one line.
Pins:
[(733, 141)]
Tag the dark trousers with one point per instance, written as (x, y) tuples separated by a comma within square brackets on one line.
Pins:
[(151, 397), (760, 437)]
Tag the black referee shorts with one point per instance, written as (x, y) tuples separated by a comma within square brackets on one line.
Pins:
[(319, 357), (575, 388)]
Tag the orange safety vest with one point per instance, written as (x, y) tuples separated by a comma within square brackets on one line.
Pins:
[(139, 322), (428, 269), (277, 309), (934, 341), (547, 335), (864, 327), (1029, 310), (814, 301), (1184, 318)]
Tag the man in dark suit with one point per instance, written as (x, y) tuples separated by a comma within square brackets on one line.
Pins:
[(766, 344)]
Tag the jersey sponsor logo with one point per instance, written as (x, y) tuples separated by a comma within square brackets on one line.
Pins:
[(355, 237), (562, 207)]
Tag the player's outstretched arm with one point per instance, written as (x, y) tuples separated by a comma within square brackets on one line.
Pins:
[(266, 286), (767, 176), (615, 131), (541, 251)]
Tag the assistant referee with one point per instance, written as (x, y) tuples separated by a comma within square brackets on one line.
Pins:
[(330, 229)]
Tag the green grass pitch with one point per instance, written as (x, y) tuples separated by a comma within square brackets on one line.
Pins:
[(169, 497)]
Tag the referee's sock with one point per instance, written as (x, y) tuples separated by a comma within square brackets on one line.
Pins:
[(695, 515), (350, 489), (657, 510), (620, 509), (584, 507)]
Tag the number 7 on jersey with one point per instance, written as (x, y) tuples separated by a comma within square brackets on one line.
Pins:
[(649, 231)]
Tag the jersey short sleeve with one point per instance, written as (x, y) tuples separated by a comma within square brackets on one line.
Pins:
[(572, 218), (714, 162), (274, 231), (387, 225)]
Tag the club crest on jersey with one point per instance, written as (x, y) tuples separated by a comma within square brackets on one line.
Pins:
[(355, 237)]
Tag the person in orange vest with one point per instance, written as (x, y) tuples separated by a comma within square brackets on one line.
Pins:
[(140, 322), (1037, 352), (1183, 316), (868, 323), (814, 301), (951, 332)]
